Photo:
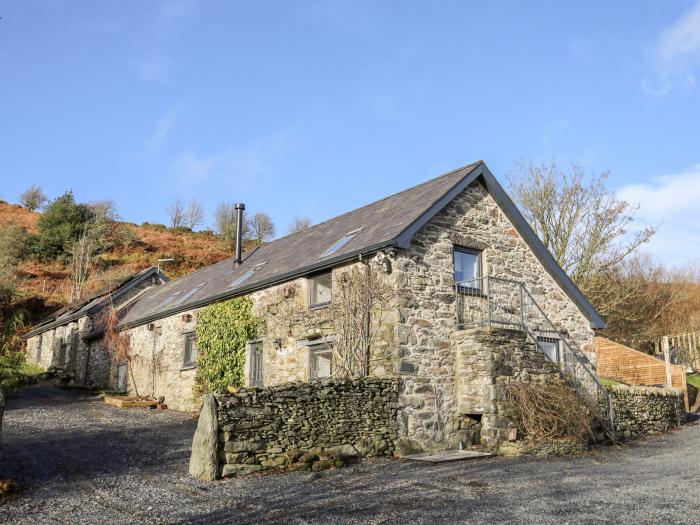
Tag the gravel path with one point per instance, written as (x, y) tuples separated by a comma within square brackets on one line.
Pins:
[(80, 461)]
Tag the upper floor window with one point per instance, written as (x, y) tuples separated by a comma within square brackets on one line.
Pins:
[(190, 351), (320, 287), (467, 265)]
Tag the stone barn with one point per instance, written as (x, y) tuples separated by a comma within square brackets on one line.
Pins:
[(465, 298)]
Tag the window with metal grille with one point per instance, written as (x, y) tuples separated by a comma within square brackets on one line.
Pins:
[(190, 352), (256, 364), (549, 346)]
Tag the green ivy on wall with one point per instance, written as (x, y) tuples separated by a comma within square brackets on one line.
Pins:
[(223, 329)]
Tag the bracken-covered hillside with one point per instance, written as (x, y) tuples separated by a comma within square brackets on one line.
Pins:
[(44, 285)]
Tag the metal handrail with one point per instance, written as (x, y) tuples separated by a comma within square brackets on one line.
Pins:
[(481, 288)]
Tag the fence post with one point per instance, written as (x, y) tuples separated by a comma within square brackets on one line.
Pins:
[(667, 360)]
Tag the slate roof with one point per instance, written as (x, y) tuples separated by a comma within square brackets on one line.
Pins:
[(92, 303), (391, 221)]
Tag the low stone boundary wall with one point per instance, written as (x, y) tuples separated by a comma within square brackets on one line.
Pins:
[(298, 426), (642, 411)]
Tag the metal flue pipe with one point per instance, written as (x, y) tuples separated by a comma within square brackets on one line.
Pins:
[(239, 207)]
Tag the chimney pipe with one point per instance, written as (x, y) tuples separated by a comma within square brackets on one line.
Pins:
[(239, 207)]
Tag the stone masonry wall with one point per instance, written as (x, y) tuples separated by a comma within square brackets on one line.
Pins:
[(298, 425), (427, 315), (642, 411), (158, 364), (487, 360)]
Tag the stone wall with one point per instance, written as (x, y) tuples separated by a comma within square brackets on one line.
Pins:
[(487, 360), (642, 411), (299, 426), (158, 363), (427, 315), (2, 412)]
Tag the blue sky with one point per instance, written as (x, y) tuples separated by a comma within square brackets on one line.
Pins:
[(314, 108)]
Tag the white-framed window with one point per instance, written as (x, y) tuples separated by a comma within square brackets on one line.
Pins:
[(320, 361), (320, 288), (189, 354), (550, 347), (467, 267), (255, 358)]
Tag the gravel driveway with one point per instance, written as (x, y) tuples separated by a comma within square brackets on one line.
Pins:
[(80, 461)]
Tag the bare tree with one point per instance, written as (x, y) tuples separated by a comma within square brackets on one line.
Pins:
[(33, 198), (225, 222), (262, 227), (194, 214), (298, 224), (82, 254), (106, 209), (176, 213), (582, 223)]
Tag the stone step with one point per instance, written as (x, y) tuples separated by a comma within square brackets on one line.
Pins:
[(447, 455)]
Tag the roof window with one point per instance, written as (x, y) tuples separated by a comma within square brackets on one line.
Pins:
[(167, 301), (243, 278), (190, 293), (340, 243)]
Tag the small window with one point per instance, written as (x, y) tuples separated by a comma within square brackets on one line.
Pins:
[(38, 348), (467, 265), (549, 346), (190, 352), (243, 278), (255, 377), (340, 243), (321, 365), (320, 287)]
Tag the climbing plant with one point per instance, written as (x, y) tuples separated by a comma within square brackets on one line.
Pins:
[(222, 331)]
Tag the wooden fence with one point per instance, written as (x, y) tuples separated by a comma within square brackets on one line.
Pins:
[(619, 362), (687, 347)]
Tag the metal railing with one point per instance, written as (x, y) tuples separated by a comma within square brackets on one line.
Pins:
[(506, 303)]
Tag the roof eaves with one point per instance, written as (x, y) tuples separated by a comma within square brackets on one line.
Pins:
[(80, 312), (266, 283)]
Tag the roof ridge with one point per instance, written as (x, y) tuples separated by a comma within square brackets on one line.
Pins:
[(451, 172)]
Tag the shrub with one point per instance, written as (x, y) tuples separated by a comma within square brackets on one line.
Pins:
[(222, 331), (550, 411), (60, 225)]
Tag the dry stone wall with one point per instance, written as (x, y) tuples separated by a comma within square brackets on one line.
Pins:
[(299, 426), (642, 411)]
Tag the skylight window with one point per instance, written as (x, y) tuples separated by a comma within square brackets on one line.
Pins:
[(190, 293), (340, 243), (167, 301), (243, 278)]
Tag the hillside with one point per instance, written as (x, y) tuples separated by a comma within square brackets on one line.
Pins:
[(43, 285)]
